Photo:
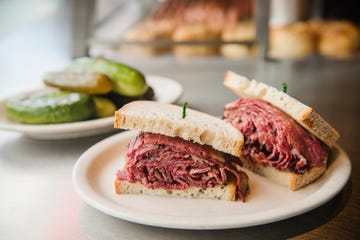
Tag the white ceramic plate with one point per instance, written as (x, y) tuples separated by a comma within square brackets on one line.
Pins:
[(166, 90), (95, 170)]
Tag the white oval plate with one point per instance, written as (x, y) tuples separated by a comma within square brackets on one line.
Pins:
[(94, 174), (166, 90)]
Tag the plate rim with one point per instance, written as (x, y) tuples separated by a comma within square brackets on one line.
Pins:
[(90, 197)]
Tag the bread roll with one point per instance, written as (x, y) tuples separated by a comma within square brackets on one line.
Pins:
[(336, 39), (148, 31), (291, 41), (241, 31), (195, 33)]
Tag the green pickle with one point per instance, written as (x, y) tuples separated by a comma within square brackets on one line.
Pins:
[(127, 81), (103, 107), (120, 100), (50, 107), (82, 81)]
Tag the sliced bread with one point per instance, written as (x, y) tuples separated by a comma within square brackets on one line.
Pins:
[(218, 192), (286, 178), (303, 114), (167, 119)]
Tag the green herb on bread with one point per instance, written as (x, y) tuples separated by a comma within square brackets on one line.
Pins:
[(184, 106)]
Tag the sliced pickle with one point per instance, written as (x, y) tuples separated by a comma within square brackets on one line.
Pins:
[(127, 81), (79, 81), (50, 107), (120, 100)]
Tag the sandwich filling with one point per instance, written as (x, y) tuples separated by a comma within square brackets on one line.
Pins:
[(272, 138), (159, 161)]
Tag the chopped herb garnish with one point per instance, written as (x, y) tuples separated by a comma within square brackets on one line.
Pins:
[(184, 106), (284, 87)]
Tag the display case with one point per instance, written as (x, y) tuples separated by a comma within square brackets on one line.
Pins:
[(235, 29), (182, 28)]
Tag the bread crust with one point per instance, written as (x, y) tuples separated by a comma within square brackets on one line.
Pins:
[(166, 119), (286, 178), (219, 192), (304, 115)]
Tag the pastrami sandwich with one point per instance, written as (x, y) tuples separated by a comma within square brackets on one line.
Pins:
[(284, 140), (179, 153)]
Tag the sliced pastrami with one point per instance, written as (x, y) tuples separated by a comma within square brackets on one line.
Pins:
[(159, 161), (274, 138)]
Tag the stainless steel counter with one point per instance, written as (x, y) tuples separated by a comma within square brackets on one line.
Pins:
[(38, 200)]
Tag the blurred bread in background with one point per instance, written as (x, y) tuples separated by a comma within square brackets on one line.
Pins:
[(237, 51), (195, 33), (336, 39), (240, 31), (230, 22), (291, 41), (208, 13), (149, 31), (194, 21)]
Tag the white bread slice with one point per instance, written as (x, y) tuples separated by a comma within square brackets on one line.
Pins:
[(166, 119), (218, 192), (304, 115), (199, 127), (286, 178)]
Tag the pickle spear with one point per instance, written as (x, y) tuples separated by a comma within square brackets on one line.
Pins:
[(83, 81), (50, 107), (120, 100), (127, 81)]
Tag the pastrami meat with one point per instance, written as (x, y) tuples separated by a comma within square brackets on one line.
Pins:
[(159, 161), (274, 138)]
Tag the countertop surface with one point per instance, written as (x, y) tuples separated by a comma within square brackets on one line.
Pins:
[(38, 200)]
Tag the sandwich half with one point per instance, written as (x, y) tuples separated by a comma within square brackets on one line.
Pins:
[(284, 140), (194, 155)]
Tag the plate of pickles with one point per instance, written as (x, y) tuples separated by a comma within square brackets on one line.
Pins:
[(80, 100)]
